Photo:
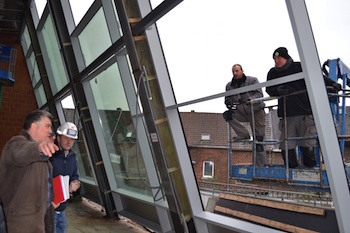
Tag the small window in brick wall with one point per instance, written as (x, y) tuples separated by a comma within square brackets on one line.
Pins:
[(205, 137), (208, 169)]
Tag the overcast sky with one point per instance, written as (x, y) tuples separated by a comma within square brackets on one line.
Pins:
[(202, 39)]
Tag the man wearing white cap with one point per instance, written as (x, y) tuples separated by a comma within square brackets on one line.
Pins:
[(64, 163)]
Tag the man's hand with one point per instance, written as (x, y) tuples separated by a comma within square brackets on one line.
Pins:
[(74, 186), (227, 115), (228, 103), (337, 86), (55, 205), (48, 148), (282, 90)]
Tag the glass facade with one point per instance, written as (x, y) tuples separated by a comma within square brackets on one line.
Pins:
[(118, 129), (25, 40), (33, 69), (40, 95), (132, 154), (70, 114), (53, 57), (95, 38)]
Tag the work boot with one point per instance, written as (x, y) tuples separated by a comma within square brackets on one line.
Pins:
[(260, 153), (292, 158), (309, 157)]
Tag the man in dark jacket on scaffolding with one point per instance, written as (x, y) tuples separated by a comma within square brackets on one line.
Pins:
[(300, 121), (239, 110), (64, 163)]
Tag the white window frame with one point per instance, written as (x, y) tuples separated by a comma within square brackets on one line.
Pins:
[(205, 137), (212, 171)]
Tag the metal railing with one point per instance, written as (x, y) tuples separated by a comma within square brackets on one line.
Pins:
[(316, 199)]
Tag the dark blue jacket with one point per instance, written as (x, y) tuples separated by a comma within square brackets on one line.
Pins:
[(64, 165)]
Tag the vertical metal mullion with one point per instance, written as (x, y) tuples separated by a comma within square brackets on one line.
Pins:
[(79, 96), (130, 9), (322, 114)]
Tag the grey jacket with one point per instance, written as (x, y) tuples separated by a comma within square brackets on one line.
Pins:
[(246, 96), (24, 180)]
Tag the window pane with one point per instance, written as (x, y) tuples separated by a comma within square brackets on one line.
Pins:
[(119, 132), (33, 65), (40, 96), (94, 39), (79, 147), (54, 65), (25, 40), (208, 169)]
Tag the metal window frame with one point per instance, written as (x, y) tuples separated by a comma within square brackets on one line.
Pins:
[(203, 220), (326, 132)]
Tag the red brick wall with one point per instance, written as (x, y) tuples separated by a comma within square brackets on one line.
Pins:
[(246, 157), (218, 156), (18, 100), (220, 159)]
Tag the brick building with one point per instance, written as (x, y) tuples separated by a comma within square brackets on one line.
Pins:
[(17, 100), (207, 136)]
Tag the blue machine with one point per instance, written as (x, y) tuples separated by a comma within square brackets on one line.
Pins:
[(301, 177), (7, 65)]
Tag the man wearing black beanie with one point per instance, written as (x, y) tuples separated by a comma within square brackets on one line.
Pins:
[(282, 52), (300, 121)]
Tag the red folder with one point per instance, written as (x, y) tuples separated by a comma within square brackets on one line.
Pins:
[(61, 188)]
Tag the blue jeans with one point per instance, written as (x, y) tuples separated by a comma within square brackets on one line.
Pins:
[(60, 222)]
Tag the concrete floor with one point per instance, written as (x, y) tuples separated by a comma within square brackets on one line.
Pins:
[(84, 216)]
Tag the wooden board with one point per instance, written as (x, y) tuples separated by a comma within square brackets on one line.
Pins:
[(274, 204), (263, 221)]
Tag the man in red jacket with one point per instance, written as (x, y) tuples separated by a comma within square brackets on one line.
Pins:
[(26, 176)]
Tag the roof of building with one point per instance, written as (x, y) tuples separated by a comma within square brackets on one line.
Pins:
[(195, 124), (215, 130), (204, 129)]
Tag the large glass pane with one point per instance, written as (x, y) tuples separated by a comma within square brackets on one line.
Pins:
[(79, 147), (95, 38), (79, 9), (54, 65), (217, 62), (25, 40), (119, 132), (33, 69), (40, 96)]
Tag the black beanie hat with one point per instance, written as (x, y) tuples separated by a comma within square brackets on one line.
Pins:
[(281, 51)]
